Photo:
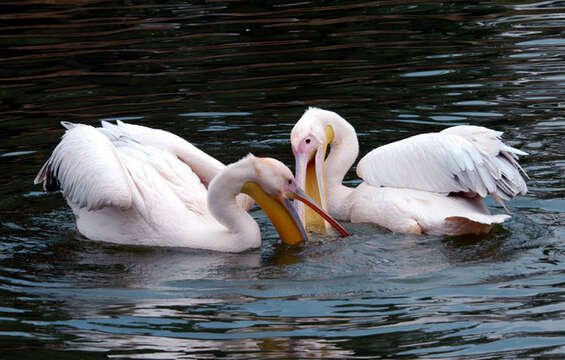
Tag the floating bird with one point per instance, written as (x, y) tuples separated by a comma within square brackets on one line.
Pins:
[(130, 184), (431, 183)]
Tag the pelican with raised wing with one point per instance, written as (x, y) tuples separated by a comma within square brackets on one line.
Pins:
[(128, 184), (431, 183)]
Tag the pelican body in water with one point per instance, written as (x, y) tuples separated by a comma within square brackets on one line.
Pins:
[(431, 183), (130, 184)]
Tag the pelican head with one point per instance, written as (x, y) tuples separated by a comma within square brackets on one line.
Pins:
[(310, 138), (273, 187)]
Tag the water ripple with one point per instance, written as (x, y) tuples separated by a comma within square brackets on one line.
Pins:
[(233, 78)]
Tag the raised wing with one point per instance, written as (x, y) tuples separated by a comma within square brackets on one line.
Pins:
[(87, 169), (468, 159), (204, 165), (161, 179)]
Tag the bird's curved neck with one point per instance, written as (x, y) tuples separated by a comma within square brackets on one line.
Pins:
[(344, 149), (223, 206)]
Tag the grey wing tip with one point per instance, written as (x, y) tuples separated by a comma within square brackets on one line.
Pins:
[(68, 125), (513, 150), (50, 181), (500, 200), (108, 124), (40, 177)]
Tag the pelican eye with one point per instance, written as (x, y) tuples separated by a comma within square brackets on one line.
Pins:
[(308, 141), (289, 181)]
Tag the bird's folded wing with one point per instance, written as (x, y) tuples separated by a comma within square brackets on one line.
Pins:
[(204, 165), (87, 169), (468, 159), (161, 177)]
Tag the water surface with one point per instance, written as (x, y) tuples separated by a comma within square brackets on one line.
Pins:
[(232, 78)]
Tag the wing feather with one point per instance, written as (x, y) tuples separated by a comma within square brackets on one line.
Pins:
[(159, 174), (204, 165), (86, 168), (468, 159)]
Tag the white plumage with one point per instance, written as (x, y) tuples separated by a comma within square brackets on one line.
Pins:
[(431, 183), (131, 184), (467, 159)]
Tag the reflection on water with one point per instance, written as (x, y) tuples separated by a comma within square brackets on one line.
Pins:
[(232, 78)]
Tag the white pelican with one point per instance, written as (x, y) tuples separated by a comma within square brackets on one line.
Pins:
[(430, 183), (130, 184)]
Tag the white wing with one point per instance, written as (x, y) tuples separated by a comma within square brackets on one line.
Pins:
[(87, 169), (161, 179), (93, 172), (204, 165), (469, 159)]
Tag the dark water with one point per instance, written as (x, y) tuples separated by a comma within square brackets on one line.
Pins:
[(233, 77)]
